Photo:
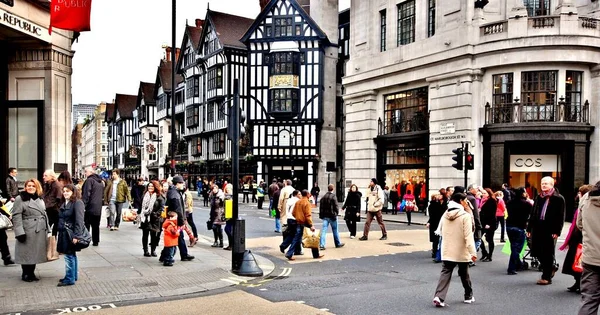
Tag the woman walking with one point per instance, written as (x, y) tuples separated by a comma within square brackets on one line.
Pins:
[(31, 229), (70, 217), (352, 208), (500, 212), (229, 222), (436, 211), (217, 214), (150, 217), (518, 210), (409, 204), (394, 198), (189, 209), (488, 206)]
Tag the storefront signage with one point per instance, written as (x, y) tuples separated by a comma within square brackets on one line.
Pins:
[(447, 138), (283, 81), (534, 163), (447, 128), (24, 26)]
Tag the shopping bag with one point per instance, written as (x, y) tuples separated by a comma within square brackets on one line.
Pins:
[(8, 207), (311, 239), (507, 250), (163, 214), (105, 212), (5, 222), (51, 252), (577, 266), (129, 215)]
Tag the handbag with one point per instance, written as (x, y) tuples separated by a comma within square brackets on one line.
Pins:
[(209, 225), (83, 240), (129, 215), (105, 212), (5, 222), (311, 239), (51, 252), (577, 266)]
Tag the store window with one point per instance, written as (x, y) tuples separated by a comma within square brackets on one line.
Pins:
[(573, 104), (406, 111), (538, 95)]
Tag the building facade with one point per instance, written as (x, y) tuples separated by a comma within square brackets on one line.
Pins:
[(147, 139), (83, 111), (94, 140), (35, 90), (513, 79), (127, 155)]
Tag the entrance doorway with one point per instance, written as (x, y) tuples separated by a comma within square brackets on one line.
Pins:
[(527, 170), (299, 176)]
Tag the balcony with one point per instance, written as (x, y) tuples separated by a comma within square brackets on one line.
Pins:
[(397, 125), (525, 113)]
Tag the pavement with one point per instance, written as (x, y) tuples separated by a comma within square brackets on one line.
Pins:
[(117, 271)]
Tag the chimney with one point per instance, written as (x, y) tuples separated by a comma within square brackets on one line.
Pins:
[(305, 4), (168, 53), (199, 22), (263, 4)]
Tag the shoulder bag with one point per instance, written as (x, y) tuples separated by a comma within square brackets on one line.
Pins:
[(83, 240), (5, 222)]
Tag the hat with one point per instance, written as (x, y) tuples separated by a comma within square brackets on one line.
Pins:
[(374, 180), (177, 179)]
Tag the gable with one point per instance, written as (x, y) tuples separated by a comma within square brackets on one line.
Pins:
[(209, 42)]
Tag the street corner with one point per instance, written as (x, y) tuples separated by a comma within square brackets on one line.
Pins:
[(398, 242)]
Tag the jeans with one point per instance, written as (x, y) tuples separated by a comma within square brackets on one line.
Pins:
[(92, 223), (199, 191), (334, 228), (71, 266), (438, 254), (190, 220), (370, 217), (169, 254), (277, 225), (516, 236), (115, 213), (502, 224), (229, 231), (298, 242), (590, 295), (287, 241), (446, 276)]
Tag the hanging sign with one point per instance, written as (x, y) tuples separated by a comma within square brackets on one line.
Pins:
[(283, 81), (534, 163)]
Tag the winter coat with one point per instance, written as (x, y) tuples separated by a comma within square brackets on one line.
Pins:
[(328, 208), (588, 221), (376, 199), (123, 193), (175, 203), (500, 208), (272, 190), (352, 205), (12, 189), (302, 212), (394, 197), (151, 218), (478, 227), (30, 218), (189, 202), (52, 196), (518, 212), (458, 244), (285, 194), (137, 193), (70, 214), (435, 215), (488, 214), (217, 208), (315, 191), (92, 191), (171, 235), (290, 207), (542, 230)]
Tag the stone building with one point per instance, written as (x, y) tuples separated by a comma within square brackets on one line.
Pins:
[(94, 140), (514, 79)]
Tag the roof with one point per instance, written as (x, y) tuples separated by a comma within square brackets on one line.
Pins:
[(125, 105), (147, 92), (109, 114), (194, 34), (230, 28), (164, 75)]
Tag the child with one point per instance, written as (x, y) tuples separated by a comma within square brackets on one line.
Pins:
[(171, 238)]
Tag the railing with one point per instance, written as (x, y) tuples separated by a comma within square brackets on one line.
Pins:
[(588, 22), (495, 28), (542, 21), (394, 125), (527, 112)]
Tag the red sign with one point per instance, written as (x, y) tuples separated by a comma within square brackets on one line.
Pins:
[(72, 15)]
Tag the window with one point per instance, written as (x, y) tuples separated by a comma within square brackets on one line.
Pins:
[(103, 136), (196, 146), (406, 111), (383, 29), (406, 22), (103, 148), (431, 18), (189, 57), (142, 113), (210, 112), (221, 113), (283, 101), (283, 27), (405, 156), (162, 102), (192, 88), (573, 87), (192, 116), (537, 7), (219, 143), (179, 97), (285, 63), (215, 78), (103, 161), (538, 95), (503, 89)]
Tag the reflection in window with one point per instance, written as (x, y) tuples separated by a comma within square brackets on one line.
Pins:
[(406, 156), (538, 95), (503, 89), (406, 111)]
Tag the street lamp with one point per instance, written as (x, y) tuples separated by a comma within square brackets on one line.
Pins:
[(292, 145)]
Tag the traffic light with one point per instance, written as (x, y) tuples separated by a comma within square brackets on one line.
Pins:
[(470, 161), (458, 158), (242, 123)]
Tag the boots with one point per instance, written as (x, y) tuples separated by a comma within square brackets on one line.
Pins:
[(8, 261), (146, 253), (153, 251), (216, 235)]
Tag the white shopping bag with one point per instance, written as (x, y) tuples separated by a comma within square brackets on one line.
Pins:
[(105, 212)]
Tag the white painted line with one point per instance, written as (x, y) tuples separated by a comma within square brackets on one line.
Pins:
[(263, 289), (375, 255), (300, 302), (339, 259), (357, 257), (324, 309), (238, 279), (266, 218)]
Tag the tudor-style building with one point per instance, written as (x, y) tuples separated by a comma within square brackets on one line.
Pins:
[(126, 154), (292, 90), (147, 138), (109, 118)]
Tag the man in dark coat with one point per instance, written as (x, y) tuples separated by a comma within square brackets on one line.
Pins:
[(175, 203), (544, 228), (137, 193), (52, 195), (92, 197), (12, 189), (436, 210)]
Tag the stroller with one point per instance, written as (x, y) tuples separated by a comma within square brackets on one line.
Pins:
[(534, 262)]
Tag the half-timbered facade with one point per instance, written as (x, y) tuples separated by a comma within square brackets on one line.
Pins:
[(148, 137), (126, 152), (292, 91), (111, 135)]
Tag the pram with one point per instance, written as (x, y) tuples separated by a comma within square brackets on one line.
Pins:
[(535, 263)]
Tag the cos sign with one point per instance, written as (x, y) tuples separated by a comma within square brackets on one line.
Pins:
[(534, 163)]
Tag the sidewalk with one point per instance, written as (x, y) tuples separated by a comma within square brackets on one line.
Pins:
[(117, 271)]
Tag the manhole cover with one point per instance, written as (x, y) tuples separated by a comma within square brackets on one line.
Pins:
[(146, 284), (399, 244)]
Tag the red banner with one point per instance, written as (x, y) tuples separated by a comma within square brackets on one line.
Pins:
[(71, 15)]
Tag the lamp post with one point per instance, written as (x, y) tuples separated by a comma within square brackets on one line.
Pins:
[(173, 84), (292, 145)]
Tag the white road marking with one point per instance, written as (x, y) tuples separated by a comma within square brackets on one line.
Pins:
[(324, 309), (263, 289), (300, 302)]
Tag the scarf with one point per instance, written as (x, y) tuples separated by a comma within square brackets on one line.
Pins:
[(565, 245), (148, 203), (545, 195)]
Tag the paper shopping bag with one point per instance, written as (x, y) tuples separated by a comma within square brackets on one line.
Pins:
[(51, 252), (311, 239)]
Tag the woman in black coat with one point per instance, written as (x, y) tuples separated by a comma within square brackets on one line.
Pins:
[(436, 211), (70, 217), (489, 205), (151, 208), (352, 208), (394, 198)]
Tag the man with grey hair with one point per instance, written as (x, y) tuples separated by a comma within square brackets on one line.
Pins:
[(92, 197), (52, 197), (544, 228)]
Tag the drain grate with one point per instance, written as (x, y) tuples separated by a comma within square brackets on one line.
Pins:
[(399, 244)]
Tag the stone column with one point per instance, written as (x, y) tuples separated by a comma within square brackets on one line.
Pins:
[(566, 7)]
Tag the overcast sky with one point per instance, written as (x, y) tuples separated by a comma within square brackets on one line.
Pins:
[(124, 46)]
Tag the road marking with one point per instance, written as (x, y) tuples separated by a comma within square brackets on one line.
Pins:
[(266, 218), (230, 281), (324, 309), (263, 289), (300, 302)]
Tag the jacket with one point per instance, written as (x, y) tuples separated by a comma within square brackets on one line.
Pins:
[(315, 191), (123, 193), (12, 189), (29, 218), (137, 194), (376, 199), (488, 213), (285, 194), (289, 207), (92, 194), (588, 221), (217, 208), (542, 229), (500, 208), (175, 203), (352, 205), (52, 195), (189, 202), (302, 212), (478, 227), (436, 211), (150, 219), (518, 213), (272, 189), (328, 208), (458, 244), (70, 214), (171, 238)]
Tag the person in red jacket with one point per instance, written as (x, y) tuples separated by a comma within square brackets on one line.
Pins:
[(171, 238)]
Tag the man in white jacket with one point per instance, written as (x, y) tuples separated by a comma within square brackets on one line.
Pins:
[(375, 198), (291, 223), (458, 249)]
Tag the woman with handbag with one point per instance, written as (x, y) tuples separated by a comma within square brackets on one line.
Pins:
[(70, 228), (409, 204), (150, 217), (352, 209), (31, 229), (5, 223), (229, 222), (217, 214)]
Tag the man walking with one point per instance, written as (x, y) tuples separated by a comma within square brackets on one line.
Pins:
[(458, 249), (52, 198), (545, 225), (271, 192), (328, 212), (175, 203), (12, 188), (92, 192), (115, 194), (588, 221), (303, 215), (374, 206), (286, 193), (472, 192)]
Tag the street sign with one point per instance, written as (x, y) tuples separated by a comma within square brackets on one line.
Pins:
[(447, 128), (9, 3)]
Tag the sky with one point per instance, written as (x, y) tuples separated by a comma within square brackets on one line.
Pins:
[(124, 46)]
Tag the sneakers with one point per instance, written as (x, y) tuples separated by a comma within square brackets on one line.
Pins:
[(438, 302), (383, 238), (363, 238), (340, 245), (469, 300), (351, 237)]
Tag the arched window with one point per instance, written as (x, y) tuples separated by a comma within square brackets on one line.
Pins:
[(284, 138)]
